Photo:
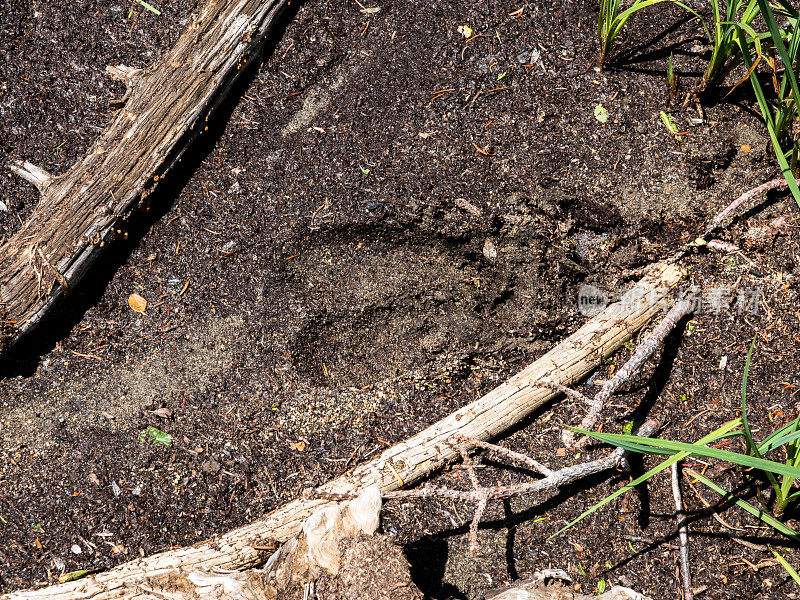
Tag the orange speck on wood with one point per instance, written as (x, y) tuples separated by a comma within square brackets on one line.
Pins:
[(746, 148)]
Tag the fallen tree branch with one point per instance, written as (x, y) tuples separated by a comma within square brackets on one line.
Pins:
[(406, 462), (645, 350), (166, 106), (683, 532), (553, 480)]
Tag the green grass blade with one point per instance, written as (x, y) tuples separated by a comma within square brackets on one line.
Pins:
[(149, 7), (772, 26), (767, 116), (696, 449), (748, 436), (779, 437), (759, 514), (622, 18), (765, 447), (710, 438), (790, 10), (750, 12), (787, 567)]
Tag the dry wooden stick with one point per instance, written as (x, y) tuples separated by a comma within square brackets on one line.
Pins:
[(166, 106), (480, 495), (683, 533), (403, 463), (717, 221), (644, 351), (532, 464)]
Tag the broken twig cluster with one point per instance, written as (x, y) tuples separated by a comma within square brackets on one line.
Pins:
[(481, 495)]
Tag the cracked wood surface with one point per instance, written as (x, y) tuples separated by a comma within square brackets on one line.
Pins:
[(402, 464), (165, 107)]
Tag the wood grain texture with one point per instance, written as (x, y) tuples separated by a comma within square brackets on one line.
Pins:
[(402, 464), (165, 107)]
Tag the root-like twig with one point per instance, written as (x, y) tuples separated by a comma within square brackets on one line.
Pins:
[(683, 534), (532, 464), (563, 389), (480, 495), (717, 221), (645, 350)]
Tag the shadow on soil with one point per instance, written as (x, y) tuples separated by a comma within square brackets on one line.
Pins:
[(428, 558)]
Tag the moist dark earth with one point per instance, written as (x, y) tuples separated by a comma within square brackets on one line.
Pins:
[(386, 220)]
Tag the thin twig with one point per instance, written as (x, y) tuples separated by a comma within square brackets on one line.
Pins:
[(532, 464), (466, 461), (481, 496), (721, 246), (683, 534), (645, 350), (717, 221), (779, 183), (474, 547), (563, 389)]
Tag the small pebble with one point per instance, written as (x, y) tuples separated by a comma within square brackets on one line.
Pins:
[(76, 549)]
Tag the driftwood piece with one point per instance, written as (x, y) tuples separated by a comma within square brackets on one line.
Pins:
[(314, 552), (403, 463), (165, 107)]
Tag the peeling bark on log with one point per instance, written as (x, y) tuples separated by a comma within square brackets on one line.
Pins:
[(165, 108), (403, 463)]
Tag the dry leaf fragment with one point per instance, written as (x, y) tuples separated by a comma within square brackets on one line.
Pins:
[(299, 446), (75, 575), (94, 479), (163, 412), (137, 303)]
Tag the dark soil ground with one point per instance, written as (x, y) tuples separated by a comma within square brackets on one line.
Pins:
[(386, 221)]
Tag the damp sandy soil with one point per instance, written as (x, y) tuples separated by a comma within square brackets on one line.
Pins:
[(385, 221)]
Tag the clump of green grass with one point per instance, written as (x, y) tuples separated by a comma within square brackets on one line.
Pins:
[(672, 80), (787, 437), (724, 40), (610, 22), (780, 115)]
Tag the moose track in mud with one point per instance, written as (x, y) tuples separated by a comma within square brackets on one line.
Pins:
[(387, 221)]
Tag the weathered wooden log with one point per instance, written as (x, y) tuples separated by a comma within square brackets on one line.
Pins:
[(403, 463), (165, 107)]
